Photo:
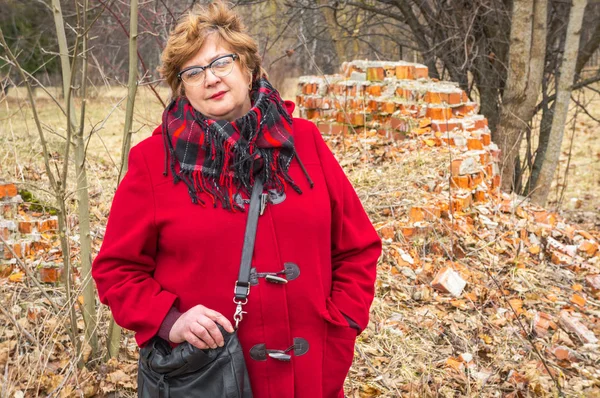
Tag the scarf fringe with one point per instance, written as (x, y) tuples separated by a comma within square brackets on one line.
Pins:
[(234, 164)]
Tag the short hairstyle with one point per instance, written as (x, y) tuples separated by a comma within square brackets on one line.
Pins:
[(186, 39)]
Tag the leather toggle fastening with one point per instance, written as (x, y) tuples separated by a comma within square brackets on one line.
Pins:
[(260, 352), (290, 272)]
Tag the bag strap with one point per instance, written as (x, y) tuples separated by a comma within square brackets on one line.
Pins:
[(242, 285)]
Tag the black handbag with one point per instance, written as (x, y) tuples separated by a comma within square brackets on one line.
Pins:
[(186, 371)]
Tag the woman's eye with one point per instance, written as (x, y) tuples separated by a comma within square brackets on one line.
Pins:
[(193, 73), (222, 63)]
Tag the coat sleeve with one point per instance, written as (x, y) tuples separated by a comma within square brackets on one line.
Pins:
[(355, 245), (124, 266)]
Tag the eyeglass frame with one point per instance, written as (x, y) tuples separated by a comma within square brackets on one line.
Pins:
[(233, 56)]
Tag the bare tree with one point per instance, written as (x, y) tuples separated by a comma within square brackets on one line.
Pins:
[(525, 72), (563, 99), (114, 336)]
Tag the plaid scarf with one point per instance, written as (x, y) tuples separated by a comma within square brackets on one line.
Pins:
[(222, 159)]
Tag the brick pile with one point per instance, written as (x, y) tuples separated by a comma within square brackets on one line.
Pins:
[(27, 235), (398, 100)]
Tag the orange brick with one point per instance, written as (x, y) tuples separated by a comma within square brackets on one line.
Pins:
[(484, 157), (415, 214), (398, 123), (455, 166), (405, 72), (438, 113), (8, 191), (324, 127), (454, 98), (407, 231), (496, 181), (421, 72), (375, 74), (461, 202), (313, 114), (474, 143), (486, 139), (444, 125), (374, 90), (434, 97), (388, 107), (39, 246), (564, 353), (460, 182), (476, 179), (351, 90), (337, 129), (50, 274), (26, 227), (479, 196), (481, 123), (465, 109), (356, 119), (50, 224)]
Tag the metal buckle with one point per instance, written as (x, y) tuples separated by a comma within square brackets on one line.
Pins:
[(238, 290), (263, 202), (239, 312)]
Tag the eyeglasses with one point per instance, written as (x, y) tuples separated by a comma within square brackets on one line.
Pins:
[(220, 67)]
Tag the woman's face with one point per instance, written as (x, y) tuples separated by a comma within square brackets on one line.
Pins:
[(219, 98)]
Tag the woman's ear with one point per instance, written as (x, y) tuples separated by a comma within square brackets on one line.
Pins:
[(250, 77)]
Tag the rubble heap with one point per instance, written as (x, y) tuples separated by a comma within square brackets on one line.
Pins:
[(398, 100), (471, 278), (26, 234)]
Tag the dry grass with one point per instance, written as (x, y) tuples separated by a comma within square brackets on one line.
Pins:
[(413, 329)]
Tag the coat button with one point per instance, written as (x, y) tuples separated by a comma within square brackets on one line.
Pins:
[(260, 352), (290, 272)]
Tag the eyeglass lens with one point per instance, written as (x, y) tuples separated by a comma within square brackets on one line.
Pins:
[(220, 67)]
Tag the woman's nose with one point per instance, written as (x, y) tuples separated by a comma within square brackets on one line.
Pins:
[(210, 78)]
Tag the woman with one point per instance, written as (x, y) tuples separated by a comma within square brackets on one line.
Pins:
[(173, 242)]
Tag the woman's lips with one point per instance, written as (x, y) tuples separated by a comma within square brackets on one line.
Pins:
[(218, 95)]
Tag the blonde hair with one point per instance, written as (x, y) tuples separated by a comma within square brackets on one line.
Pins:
[(186, 39)]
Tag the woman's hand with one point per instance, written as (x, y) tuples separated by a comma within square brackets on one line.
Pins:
[(197, 326)]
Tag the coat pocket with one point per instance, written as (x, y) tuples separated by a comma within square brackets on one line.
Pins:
[(337, 358)]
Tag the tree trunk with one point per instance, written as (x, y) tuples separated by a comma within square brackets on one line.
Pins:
[(83, 207), (67, 78), (563, 98), (334, 31), (525, 71), (114, 335), (548, 104)]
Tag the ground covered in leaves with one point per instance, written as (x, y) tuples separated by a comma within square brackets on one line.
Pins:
[(524, 325)]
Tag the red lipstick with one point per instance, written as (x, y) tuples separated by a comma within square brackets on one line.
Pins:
[(218, 95)]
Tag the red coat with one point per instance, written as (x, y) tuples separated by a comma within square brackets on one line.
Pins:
[(161, 250)]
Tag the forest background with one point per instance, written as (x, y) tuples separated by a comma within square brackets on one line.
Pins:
[(79, 87)]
